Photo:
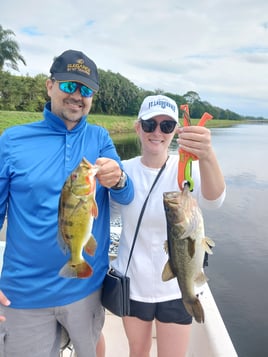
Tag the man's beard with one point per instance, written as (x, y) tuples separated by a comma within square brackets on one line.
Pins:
[(74, 102)]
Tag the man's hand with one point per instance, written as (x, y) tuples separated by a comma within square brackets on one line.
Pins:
[(4, 301), (109, 172)]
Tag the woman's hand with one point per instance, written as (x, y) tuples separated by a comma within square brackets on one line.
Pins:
[(195, 140)]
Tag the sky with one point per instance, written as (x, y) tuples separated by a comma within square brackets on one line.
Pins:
[(216, 48)]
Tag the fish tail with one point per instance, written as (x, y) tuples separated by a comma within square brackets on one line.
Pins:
[(195, 309), (81, 270)]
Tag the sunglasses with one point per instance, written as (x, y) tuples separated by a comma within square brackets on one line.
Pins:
[(166, 126), (71, 87)]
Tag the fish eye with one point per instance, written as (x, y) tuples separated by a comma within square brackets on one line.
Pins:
[(74, 176)]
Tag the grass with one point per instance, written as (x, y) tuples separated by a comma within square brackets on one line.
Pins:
[(113, 123)]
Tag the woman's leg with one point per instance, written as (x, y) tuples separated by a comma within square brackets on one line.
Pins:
[(100, 350), (172, 339), (139, 334)]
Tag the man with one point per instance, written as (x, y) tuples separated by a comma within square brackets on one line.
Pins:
[(35, 161)]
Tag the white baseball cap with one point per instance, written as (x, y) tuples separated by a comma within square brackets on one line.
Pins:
[(154, 105)]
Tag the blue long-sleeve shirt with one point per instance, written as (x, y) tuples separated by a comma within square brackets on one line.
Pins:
[(35, 161)]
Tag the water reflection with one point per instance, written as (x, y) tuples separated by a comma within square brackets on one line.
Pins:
[(243, 150), (127, 145)]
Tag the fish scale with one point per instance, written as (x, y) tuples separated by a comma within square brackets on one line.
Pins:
[(186, 246), (77, 210)]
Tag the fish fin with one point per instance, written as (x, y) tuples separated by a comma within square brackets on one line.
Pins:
[(63, 245), (95, 211), (210, 242), (190, 228), (207, 243), (166, 246), (200, 279), (81, 270), (187, 233), (195, 309), (184, 232), (191, 247), (167, 273), (95, 168), (91, 245)]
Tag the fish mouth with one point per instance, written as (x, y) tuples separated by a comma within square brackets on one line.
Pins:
[(171, 195)]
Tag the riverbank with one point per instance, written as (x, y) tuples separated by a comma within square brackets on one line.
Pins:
[(113, 123)]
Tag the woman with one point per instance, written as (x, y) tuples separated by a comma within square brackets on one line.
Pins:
[(151, 298)]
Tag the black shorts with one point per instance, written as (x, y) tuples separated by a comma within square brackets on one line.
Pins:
[(172, 311)]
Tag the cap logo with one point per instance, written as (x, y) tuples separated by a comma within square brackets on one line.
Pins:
[(163, 104), (78, 66)]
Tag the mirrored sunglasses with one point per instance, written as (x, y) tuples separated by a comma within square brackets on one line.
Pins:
[(71, 87), (166, 126)]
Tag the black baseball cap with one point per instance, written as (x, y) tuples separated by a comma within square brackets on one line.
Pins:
[(75, 66)]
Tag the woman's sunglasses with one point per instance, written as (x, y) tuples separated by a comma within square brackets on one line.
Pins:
[(166, 126), (71, 87)]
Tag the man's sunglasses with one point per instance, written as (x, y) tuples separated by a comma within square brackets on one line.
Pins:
[(71, 87), (166, 126)]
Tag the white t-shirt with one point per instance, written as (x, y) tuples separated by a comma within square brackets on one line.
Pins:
[(149, 256)]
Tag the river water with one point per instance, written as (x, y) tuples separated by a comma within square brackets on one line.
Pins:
[(238, 269)]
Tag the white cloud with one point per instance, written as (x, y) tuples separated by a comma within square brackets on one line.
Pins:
[(217, 48)]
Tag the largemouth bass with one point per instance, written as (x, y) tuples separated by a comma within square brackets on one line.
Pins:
[(77, 210), (186, 246)]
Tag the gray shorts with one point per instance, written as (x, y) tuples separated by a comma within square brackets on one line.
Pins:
[(37, 332), (172, 311)]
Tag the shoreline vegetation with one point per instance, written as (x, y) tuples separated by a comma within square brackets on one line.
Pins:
[(113, 123)]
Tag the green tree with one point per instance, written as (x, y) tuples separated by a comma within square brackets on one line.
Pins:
[(117, 95), (191, 97), (9, 50), (22, 93)]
